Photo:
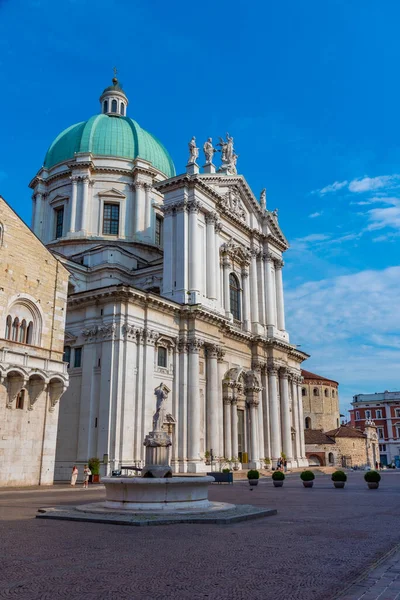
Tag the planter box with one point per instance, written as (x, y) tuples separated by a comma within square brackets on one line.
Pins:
[(277, 483), (339, 484), (222, 477), (373, 485), (308, 484), (253, 482)]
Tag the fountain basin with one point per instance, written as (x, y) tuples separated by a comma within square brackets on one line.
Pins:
[(157, 494)]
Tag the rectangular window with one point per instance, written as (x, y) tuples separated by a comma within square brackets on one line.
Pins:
[(77, 358), (367, 414), (397, 412), (378, 414), (159, 231), (382, 447), (162, 357), (111, 219), (67, 355), (398, 431), (379, 431), (59, 222)]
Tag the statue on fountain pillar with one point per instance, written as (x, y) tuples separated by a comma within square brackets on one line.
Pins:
[(161, 392)]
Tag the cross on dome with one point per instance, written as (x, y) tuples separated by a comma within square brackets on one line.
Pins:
[(113, 100)]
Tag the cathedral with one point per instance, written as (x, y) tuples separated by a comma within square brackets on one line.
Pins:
[(175, 281)]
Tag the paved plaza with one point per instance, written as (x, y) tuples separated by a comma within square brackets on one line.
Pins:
[(318, 547)]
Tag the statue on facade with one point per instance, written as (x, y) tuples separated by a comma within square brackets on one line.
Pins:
[(209, 151), (275, 213), (263, 199), (228, 156), (161, 392), (193, 152)]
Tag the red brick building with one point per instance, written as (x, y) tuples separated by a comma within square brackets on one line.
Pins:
[(384, 409)]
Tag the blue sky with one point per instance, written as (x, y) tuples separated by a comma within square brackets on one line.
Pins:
[(310, 92)]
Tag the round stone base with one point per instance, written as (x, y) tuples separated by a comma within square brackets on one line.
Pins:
[(136, 494), (102, 508)]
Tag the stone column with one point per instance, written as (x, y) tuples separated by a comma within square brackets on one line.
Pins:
[(254, 291), (295, 413), (221, 372), (138, 220), (246, 299), (285, 415), (38, 214), (254, 402), (149, 212), (85, 197), (193, 435), (168, 262), (211, 256), (275, 426), (265, 421), (262, 298), (195, 262), (270, 288), (227, 267), (74, 197), (260, 411), (183, 405), (301, 418), (227, 427), (234, 428), (212, 400), (279, 295), (217, 262)]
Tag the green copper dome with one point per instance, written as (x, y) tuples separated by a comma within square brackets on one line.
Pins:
[(104, 135)]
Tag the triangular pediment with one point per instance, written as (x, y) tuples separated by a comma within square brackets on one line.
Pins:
[(112, 193), (273, 228), (58, 198), (69, 338)]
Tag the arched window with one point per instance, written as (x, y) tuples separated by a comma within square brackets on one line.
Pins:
[(303, 392), (29, 333), (308, 423), (20, 400), (114, 106), (22, 332), (331, 458), (326, 393), (316, 392), (15, 330), (333, 393), (234, 292), (122, 109), (8, 327), (105, 106)]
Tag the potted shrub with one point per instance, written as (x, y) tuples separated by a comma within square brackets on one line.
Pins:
[(372, 478), (236, 465), (307, 478), (207, 457), (339, 478), (267, 462), (278, 478), (223, 475), (253, 476), (94, 466)]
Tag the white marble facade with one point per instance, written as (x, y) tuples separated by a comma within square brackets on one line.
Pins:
[(188, 292)]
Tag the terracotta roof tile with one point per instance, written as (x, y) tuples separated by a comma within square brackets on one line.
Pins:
[(345, 431), (317, 436), (309, 375)]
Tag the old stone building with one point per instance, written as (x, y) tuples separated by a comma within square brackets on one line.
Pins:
[(344, 446), (320, 402), (33, 376), (175, 279)]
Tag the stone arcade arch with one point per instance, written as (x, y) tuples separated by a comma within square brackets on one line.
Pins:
[(241, 398)]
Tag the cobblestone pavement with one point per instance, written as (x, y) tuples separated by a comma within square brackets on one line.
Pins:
[(321, 540), (379, 583)]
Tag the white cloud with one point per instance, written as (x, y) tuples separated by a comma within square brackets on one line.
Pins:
[(314, 215), (333, 187), (368, 184), (350, 324), (384, 217)]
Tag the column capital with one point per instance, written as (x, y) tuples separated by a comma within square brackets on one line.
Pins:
[(218, 226), (212, 350), (268, 257), (278, 263), (245, 272), (183, 346), (147, 186), (211, 218), (194, 206), (74, 179), (254, 252), (283, 373), (195, 345), (221, 354)]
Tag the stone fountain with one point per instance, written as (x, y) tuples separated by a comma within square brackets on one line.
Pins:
[(156, 489), (156, 498)]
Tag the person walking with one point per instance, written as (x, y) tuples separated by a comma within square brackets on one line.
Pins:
[(86, 473), (74, 475), (285, 465)]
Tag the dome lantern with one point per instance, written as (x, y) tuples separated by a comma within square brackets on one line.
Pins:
[(113, 100)]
